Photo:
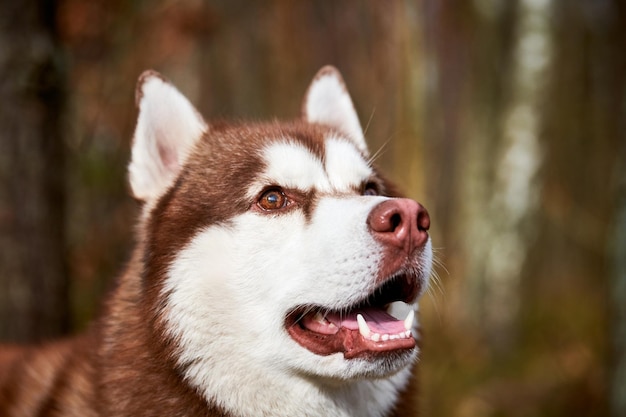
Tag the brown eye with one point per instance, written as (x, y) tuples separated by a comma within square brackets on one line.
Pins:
[(370, 189), (272, 199)]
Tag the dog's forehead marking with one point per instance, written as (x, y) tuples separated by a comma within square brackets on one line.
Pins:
[(293, 165), (345, 165)]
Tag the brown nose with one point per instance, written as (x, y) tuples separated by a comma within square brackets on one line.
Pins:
[(400, 222)]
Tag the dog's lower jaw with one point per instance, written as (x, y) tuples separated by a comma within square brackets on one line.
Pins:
[(281, 394), (250, 384)]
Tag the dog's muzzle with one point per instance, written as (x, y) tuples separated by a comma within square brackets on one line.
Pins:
[(366, 328)]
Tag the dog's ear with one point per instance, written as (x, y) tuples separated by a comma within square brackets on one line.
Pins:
[(328, 102), (167, 129)]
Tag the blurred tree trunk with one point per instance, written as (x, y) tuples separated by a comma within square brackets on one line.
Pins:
[(508, 218), (33, 280)]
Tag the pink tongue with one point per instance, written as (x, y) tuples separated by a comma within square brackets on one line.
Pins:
[(379, 321)]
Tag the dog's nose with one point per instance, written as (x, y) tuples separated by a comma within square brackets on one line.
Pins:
[(400, 222)]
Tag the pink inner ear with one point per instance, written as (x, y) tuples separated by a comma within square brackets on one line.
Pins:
[(168, 157)]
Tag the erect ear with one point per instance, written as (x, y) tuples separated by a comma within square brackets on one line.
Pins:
[(167, 129), (328, 102)]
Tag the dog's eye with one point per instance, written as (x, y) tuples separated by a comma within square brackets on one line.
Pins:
[(272, 199), (371, 188)]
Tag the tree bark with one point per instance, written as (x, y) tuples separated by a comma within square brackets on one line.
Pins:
[(33, 279)]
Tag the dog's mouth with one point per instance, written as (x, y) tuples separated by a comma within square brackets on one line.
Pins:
[(365, 329)]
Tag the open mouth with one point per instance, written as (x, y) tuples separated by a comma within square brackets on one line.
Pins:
[(363, 329)]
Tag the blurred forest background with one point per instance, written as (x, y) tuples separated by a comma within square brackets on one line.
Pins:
[(506, 119)]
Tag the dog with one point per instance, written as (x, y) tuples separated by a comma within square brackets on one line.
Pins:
[(276, 273)]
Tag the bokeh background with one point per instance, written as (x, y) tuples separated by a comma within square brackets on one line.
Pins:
[(504, 118)]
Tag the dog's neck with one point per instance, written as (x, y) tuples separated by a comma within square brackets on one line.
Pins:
[(246, 391)]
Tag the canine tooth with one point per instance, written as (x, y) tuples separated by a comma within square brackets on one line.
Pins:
[(408, 321), (407, 334), (319, 318), (363, 328)]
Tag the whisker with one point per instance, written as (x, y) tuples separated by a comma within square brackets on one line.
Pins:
[(436, 289), (439, 264), (367, 126), (433, 299), (381, 150), (436, 283), (305, 312)]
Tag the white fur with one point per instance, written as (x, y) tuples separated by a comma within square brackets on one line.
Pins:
[(231, 288), (345, 165), (167, 128), (328, 102), (292, 166)]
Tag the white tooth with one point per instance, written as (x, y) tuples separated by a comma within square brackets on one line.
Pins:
[(408, 321), (376, 337), (363, 328), (319, 318), (407, 334), (384, 337)]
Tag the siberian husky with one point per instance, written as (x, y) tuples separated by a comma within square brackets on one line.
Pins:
[(276, 273)]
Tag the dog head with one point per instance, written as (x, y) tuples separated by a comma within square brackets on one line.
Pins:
[(275, 246)]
